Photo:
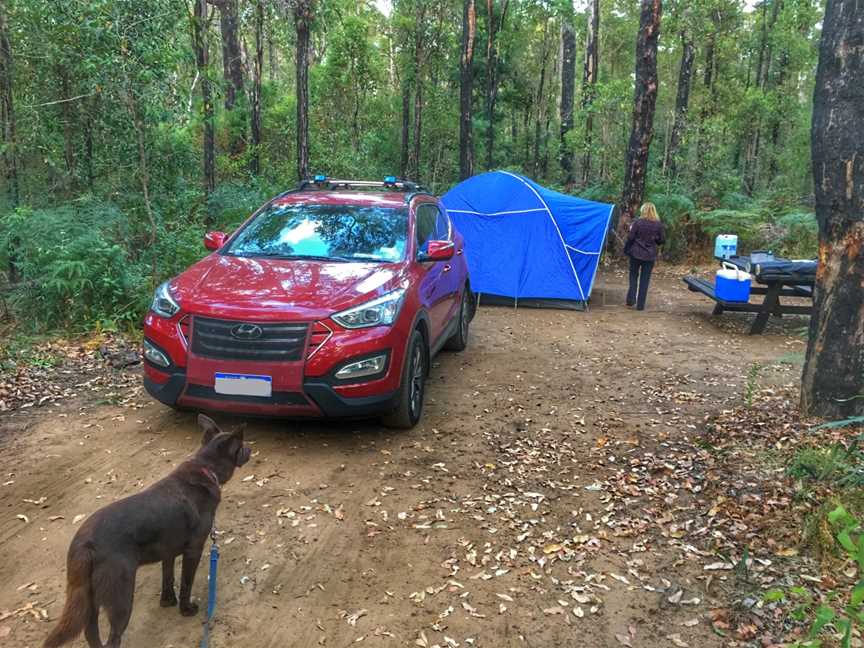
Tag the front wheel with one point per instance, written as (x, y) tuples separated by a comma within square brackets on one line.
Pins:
[(413, 388)]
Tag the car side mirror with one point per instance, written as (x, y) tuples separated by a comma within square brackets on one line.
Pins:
[(214, 240), (437, 251)]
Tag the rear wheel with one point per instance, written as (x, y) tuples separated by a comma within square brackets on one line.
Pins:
[(459, 340), (413, 388)]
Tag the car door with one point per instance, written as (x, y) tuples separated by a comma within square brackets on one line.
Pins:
[(432, 224)]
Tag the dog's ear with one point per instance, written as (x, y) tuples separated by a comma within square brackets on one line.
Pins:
[(210, 428), (240, 431)]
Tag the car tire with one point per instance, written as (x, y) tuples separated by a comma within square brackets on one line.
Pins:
[(459, 340), (413, 387)]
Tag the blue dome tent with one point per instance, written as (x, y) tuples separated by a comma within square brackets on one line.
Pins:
[(526, 243)]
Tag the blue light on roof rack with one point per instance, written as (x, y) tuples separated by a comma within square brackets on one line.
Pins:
[(389, 180), (320, 178)]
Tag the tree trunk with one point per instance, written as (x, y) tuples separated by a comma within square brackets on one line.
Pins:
[(645, 99), (68, 119), (568, 82), (7, 108), (302, 21), (492, 29), (540, 102), (682, 100), (466, 90), (406, 126), (202, 62), (414, 161), (832, 385), (589, 80), (88, 141), (255, 112), (10, 142), (232, 60)]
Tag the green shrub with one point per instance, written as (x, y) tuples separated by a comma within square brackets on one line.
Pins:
[(676, 211), (73, 263)]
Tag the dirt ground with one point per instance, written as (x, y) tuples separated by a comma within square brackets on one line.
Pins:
[(493, 523)]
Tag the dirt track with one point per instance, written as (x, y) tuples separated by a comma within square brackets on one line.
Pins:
[(486, 526)]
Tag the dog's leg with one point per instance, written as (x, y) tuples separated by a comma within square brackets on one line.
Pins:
[(117, 598), (91, 630), (191, 558), (168, 598)]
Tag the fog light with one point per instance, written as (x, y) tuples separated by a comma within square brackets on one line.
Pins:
[(155, 356), (365, 367)]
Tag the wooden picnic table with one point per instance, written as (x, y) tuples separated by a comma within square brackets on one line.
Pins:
[(774, 285)]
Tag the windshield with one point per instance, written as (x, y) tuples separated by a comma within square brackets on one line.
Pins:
[(326, 232)]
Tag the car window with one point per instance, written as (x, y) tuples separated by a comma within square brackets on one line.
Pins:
[(337, 232), (432, 225)]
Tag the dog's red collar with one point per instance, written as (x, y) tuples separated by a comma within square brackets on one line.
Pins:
[(209, 474)]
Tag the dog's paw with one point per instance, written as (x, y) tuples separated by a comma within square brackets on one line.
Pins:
[(190, 609), (169, 600)]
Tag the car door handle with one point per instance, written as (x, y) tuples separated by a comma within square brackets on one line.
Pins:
[(447, 268)]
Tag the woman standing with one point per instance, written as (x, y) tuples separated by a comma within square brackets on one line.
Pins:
[(646, 233)]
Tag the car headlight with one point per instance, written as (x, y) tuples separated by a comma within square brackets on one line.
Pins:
[(381, 311), (164, 304)]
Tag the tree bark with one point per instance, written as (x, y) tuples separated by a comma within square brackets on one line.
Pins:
[(682, 101), (10, 142), (7, 111), (414, 159), (466, 90), (202, 62), (232, 59), (589, 80), (492, 28), (303, 14), (406, 126), (568, 82), (833, 380), (540, 102), (645, 99), (68, 119), (255, 112)]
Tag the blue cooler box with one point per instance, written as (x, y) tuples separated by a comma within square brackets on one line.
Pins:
[(732, 284)]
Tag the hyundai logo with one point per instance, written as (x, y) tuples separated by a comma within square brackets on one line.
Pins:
[(247, 332)]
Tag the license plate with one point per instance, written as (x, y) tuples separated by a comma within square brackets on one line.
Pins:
[(243, 385)]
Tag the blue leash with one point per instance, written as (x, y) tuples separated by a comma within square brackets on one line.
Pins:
[(211, 588)]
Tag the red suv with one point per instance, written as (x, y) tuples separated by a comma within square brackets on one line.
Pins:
[(329, 301)]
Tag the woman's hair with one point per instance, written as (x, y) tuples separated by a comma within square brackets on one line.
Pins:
[(649, 212)]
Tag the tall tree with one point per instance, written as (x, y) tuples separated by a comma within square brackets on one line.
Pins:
[(303, 15), (589, 81), (645, 99), (682, 101), (7, 111), (493, 26), (568, 82), (540, 99), (202, 63), (417, 78), (833, 379), (255, 111), (466, 89), (406, 126), (232, 58)]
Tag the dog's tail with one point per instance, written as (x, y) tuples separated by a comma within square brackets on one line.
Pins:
[(79, 598)]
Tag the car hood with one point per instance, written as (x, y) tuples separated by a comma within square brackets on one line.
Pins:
[(274, 289)]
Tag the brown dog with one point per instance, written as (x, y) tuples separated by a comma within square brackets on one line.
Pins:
[(171, 518)]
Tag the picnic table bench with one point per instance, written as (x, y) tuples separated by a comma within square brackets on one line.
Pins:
[(776, 283)]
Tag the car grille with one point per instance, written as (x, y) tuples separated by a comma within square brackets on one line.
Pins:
[(215, 338)]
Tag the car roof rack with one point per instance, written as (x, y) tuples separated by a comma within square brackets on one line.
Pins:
[(390, 183)]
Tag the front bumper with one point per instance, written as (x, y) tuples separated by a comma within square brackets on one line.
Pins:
[(317, 400)]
